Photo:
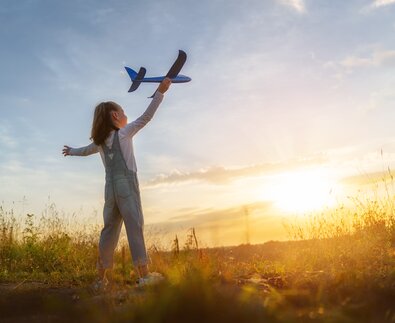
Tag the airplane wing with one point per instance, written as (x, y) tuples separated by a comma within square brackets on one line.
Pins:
[(176, 67)]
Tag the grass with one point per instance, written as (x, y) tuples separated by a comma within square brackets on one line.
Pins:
[(338, 267)]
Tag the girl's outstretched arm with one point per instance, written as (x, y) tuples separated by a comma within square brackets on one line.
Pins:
[(82, 151), (133, 127)]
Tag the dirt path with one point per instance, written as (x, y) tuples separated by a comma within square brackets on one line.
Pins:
[(40, 302), (29, 301)]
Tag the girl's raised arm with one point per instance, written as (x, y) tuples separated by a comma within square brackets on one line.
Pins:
[(133, 127), (82, 151)]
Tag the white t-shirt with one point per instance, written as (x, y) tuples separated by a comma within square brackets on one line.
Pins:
[(125, 135)]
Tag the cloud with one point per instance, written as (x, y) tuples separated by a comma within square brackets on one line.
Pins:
[(378, 58), (210, 217), (297, 5), (381, 3), (376, 4), (253, 222), (223, 175), (346, 66)]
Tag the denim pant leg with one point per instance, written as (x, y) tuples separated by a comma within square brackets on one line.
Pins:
[(129, 203), (110, 233)]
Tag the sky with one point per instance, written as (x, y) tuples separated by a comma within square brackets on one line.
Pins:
[(290, 107)]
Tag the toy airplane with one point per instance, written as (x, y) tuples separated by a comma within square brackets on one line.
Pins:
[(138, 78)]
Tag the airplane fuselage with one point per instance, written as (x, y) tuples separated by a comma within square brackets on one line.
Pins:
[(178, 79)]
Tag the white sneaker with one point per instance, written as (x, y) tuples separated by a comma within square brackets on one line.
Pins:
[(150, 279)]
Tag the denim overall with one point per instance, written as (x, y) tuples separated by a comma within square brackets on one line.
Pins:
[(122, 204)]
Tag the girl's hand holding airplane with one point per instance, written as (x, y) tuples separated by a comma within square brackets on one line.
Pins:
[(164, 85)]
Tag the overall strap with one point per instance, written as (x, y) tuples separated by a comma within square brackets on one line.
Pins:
[(115, 162)]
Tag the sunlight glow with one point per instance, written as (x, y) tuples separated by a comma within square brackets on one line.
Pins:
[(300, 192)]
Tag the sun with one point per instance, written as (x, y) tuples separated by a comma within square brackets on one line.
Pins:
[(302, 192)]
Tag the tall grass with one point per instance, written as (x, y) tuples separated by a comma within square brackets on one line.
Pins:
[(46, 248), (338, 267), (362, 237)]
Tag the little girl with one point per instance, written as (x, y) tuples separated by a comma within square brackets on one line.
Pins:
[(112, 137)]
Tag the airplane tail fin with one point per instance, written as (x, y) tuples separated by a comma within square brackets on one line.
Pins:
[(135, 77)]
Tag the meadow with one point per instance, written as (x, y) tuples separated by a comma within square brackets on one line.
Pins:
[(338, 266)]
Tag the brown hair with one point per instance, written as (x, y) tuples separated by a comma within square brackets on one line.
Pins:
[(102, 122)]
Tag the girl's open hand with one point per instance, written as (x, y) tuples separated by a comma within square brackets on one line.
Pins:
[(164, 85), (66, 151)]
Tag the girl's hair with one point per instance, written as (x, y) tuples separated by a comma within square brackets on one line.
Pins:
[(102, 122)]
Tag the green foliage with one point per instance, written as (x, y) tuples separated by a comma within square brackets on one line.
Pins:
[(46, 249)]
